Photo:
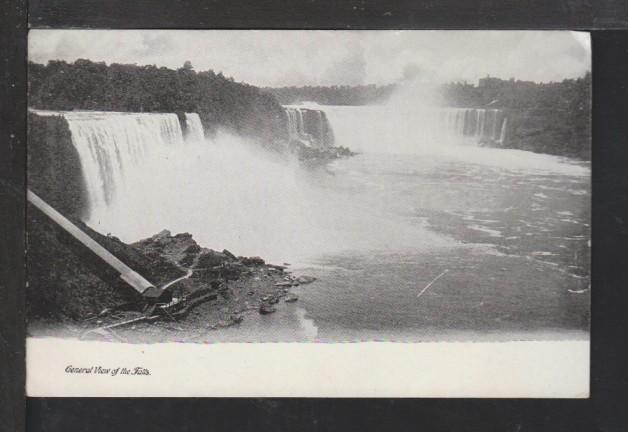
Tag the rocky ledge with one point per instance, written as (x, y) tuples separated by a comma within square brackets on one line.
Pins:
[(72, 293), (311, 155)]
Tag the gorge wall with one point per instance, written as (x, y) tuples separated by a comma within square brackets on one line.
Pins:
[(54, 167), (548, 131)]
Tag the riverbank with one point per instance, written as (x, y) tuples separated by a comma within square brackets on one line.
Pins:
[(72, 294)]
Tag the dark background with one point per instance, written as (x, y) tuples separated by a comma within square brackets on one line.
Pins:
[(606, 410)]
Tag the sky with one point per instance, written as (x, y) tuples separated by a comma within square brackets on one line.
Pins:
[(288, 57)]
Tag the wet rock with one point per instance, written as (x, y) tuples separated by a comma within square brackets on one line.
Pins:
[(192, 249), (162, 235), (305, 279), (253, 261), (229, 255), (183, 236), (231, 270), (187, 260), (291, 298), (211, 258), (266, 309)]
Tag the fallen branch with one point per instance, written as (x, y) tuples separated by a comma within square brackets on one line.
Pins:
[(432, 282)]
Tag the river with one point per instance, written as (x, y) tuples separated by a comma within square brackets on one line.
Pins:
[(505, 233), (423, 235)]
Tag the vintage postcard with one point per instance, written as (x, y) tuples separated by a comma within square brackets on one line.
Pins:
[(308, 213)]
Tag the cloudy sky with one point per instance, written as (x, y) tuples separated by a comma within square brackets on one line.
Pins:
[(279, 58)]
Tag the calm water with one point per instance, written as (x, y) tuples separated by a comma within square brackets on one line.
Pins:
[(508, 231)]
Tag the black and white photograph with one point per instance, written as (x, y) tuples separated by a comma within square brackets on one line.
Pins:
[(211, 188)]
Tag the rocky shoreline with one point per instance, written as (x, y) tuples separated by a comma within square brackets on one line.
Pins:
[(312, 155), (205, 290)]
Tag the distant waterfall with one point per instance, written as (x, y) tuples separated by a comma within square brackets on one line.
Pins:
[(194, 127), (502, 134), (405, 128), (309, 126), (485, 126)]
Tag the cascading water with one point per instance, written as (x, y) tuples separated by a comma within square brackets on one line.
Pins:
[(113, 144), (194, 127), (387, 129), (502, 133), (482, 124), (142, 178), (295, 124), (309, 126)]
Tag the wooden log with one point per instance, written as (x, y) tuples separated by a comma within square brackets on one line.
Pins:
[(127, 274)]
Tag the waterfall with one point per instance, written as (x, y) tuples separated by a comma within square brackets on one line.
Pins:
[(407, 128), (483, 126), (502, 133), (113, 144), (194, 127), (309, 127), (295, 123)]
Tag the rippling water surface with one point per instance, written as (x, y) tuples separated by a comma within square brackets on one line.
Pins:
[(507, 231)]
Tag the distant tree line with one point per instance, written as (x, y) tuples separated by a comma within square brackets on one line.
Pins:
[(333, 95), (569, 94), (219, 101)]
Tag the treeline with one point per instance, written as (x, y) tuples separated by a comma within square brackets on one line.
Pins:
[(219, 101), (332, 95), (569, 94)]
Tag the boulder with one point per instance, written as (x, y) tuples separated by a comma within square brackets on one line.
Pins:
[(211, 258), (252, 261), (305, 279), (291, 298), (229, 255), (266, 309)]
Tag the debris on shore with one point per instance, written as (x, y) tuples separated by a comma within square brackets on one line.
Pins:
[(205, 289)]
